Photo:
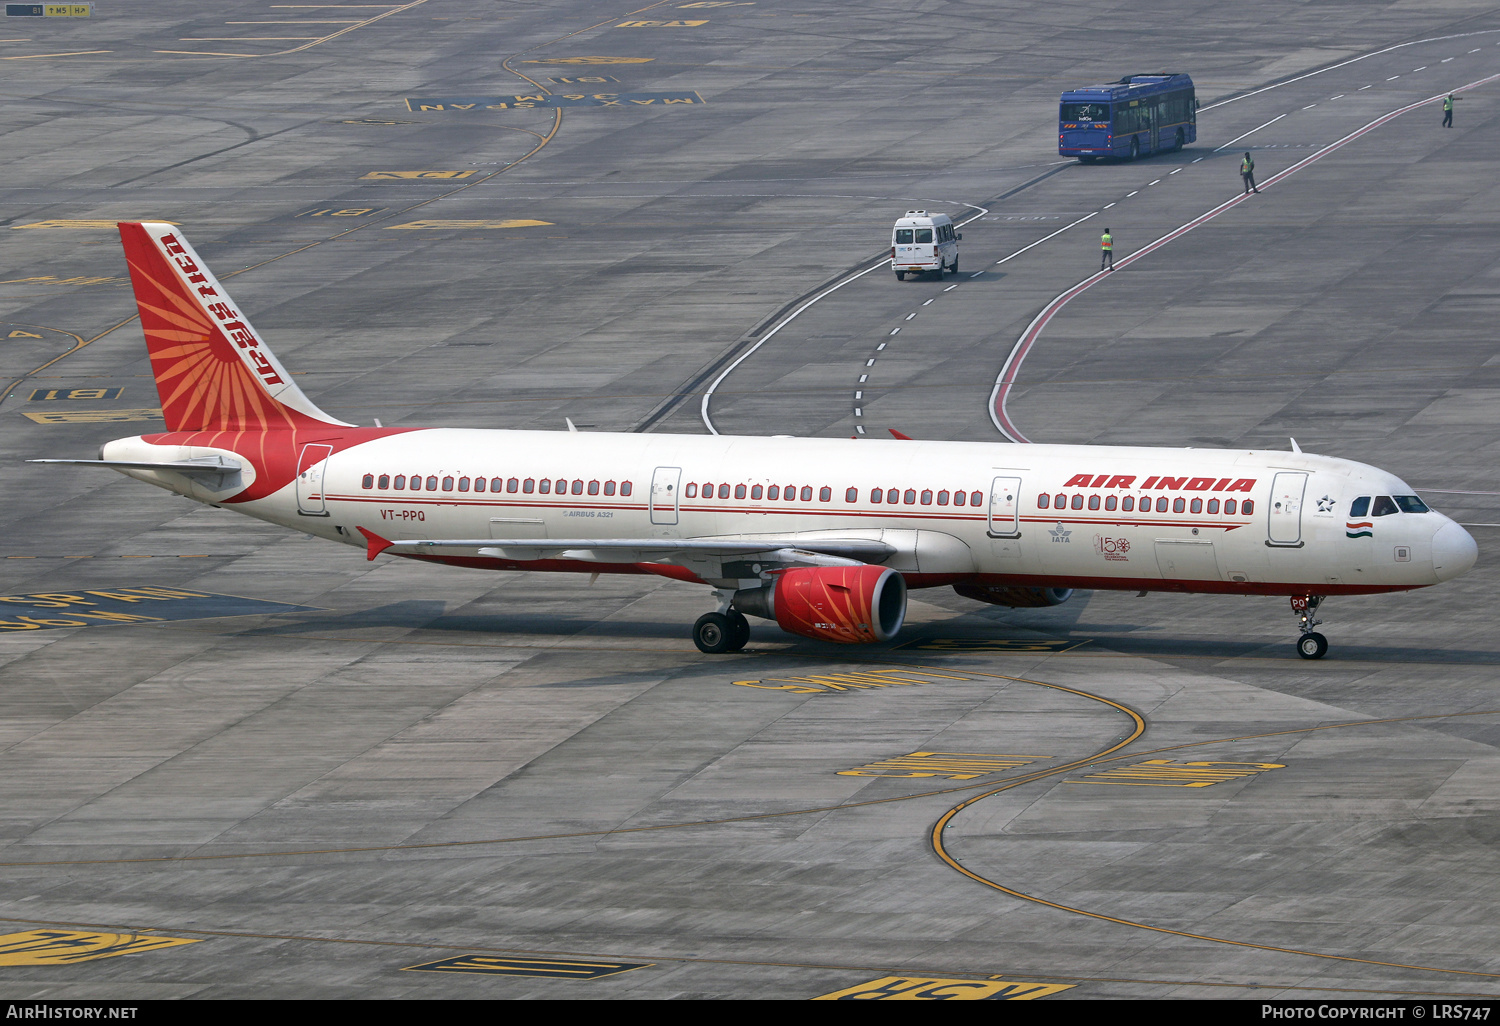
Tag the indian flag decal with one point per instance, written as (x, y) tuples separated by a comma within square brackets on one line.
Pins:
[(1359, 529)]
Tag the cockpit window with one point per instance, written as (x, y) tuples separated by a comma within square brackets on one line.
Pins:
[(1360, 507), (1384, 506), (1411, 504), (903, 236)]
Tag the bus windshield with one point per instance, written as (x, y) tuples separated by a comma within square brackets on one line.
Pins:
[(1085, 112)]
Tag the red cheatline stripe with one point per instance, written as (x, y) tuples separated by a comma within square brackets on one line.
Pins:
[(1007, 378)]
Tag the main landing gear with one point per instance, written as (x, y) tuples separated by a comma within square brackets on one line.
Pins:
[(1311, 645), (721, 632)]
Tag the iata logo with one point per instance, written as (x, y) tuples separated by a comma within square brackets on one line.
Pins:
[(1060, 534), (1112, 548)]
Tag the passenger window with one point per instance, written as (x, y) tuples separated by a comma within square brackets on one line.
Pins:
[(368, 482), (1213, 505), (756, 491), (924, 235), (1230, 507), (545, 486), (1247, 508), (1384, 506), (529, 486), (432, 483), (1093, 502), (609, 488), (910, 497), (708, 490), (479, 484), (562, 486), (385, 481), (1061, 502), (624, 487), (893, 495), (1078, 502), (1179, 505), (851, 495), (739, 491), (943, 497), (927, 497), (1161, 504), (1360, 507), (807, 493), (1196, 506), (974, 498), (463, 484), (903, 236), (578, 487), (512, 484), (1128, 503), (1111, 501), (400, 482), (593, 487), (877, 494), (691, 491), (723, 491), (825, 494), (1042, 501)]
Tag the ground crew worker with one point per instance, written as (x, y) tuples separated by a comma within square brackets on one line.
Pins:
[(1247, 172), (1448, 111), (1107, 247)]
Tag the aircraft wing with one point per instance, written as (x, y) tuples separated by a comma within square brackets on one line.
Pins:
[(631, 550)]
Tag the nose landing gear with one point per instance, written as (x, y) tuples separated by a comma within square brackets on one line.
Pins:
[(1311, 645)]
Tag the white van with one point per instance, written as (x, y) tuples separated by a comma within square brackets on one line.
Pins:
[(923, 243)]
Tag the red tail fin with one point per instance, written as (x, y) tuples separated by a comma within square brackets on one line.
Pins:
[(212, 370)]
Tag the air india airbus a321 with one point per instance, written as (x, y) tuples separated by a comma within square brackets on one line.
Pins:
[(822, 535)]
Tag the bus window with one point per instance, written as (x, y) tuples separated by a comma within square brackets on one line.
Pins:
[(1085, 112)]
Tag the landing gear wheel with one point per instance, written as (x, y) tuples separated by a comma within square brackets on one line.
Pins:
[(900, 275), (740, 629), (1312, 645), (713, 633)]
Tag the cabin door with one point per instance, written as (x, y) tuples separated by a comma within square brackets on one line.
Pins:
[(311, 467), (1005, 507), (664, 493), (1284, 514)]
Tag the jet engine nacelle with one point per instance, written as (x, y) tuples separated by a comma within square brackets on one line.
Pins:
[(847, 604), (1015, 597)]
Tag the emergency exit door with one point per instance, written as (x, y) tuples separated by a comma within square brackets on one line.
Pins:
[(1284, 515)]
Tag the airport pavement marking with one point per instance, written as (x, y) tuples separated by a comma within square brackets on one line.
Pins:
[(407, 175), (374, 121), (107, 224), (828, 683), (1169, 773), (584, 80), (927, 988), (591, 60), (948, 765), (56, 610), (661, 24), (341, 212), (962, 645), (501, 965), (65, 947), (537, 101), (49, 279), (464, 225), (48, 395), (312, 41), (92, 416)]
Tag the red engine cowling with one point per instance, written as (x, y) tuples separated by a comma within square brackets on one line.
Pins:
[(1015, 597), (848, 604)]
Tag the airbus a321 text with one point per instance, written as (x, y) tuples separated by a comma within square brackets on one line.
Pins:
[(822, 535)]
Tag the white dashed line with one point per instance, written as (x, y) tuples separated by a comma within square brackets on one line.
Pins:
[(930, 301), (1362, 88), (1130, 194), (870, 363), (880, 347), (1476, 51), (910, 316), (1310, 106), (1196, 159), (858, 412), (950, 288), (894, 330), (1393, 78), (1422, 68), (859, 395), (976, 274), (865, 377), (1157, 182), (1108, 205), (1445, 60), (860, 428), (1174, 171), (1340, 96)]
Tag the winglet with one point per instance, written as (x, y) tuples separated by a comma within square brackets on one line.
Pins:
[(377, 544), (898, 434)]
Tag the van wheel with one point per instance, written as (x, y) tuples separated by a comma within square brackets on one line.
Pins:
[(900, 275), (954, 268)]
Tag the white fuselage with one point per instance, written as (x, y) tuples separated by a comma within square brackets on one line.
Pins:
[(1051, 515)]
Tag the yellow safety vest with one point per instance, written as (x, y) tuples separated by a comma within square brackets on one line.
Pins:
[(1107, 241), (1447, 103), (1246, 166)]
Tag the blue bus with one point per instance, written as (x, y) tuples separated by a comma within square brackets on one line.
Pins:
[(1137, 115)]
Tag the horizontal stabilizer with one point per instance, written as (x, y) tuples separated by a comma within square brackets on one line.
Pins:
[(201, 466)]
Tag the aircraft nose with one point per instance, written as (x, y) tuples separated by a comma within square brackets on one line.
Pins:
[(1453, 551)]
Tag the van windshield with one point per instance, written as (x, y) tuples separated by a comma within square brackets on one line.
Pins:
[(924, 234), (903, 236)]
